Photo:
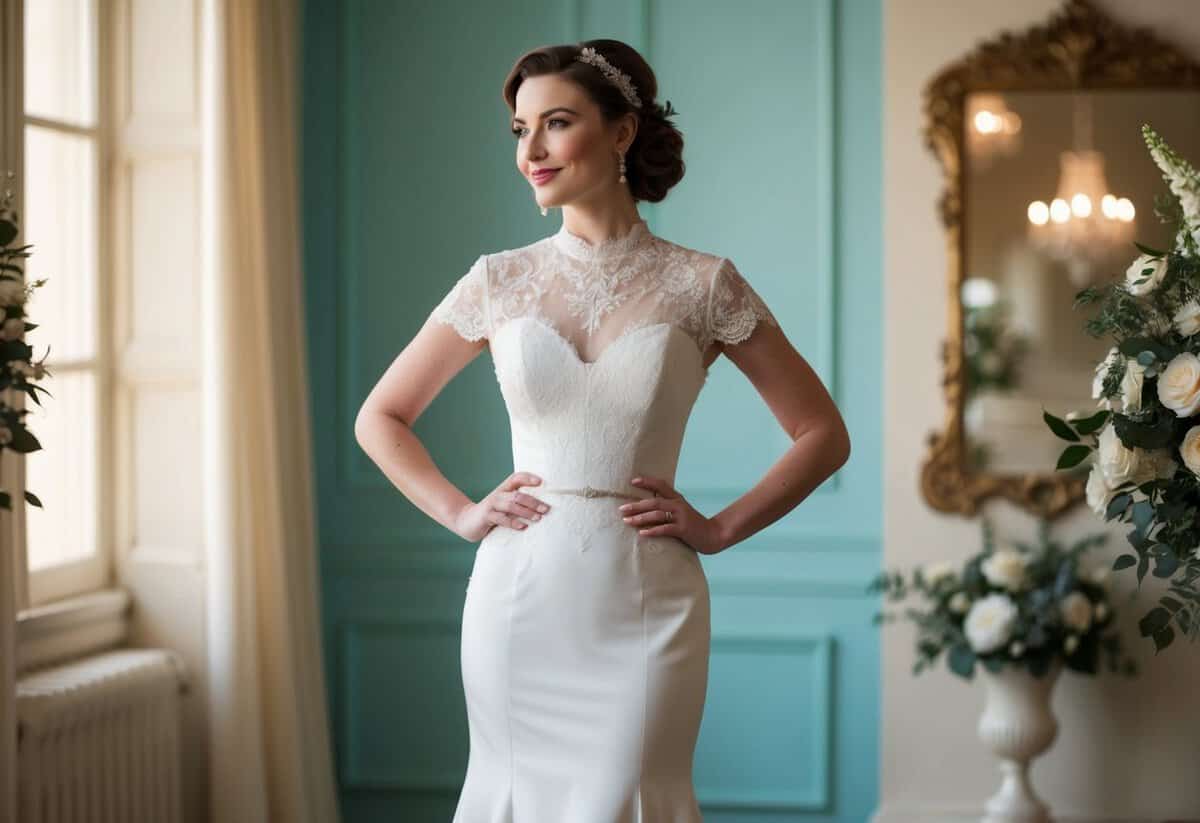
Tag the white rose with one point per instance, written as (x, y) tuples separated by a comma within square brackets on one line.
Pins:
[(989, 624), (1189, 449), (960, 602), (1137, 271), (12, 293), (1179, 385), (1016, 648), (1131, 385), (1076, 611), (1100, 612), (1071, 644), (934, 573), (1099, 492), (1005, 568), (1187, 319), (1118, 462)]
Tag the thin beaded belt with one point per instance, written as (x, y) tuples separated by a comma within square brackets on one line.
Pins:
[(586, 491)]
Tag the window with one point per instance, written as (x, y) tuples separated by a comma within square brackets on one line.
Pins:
[(64, 542)]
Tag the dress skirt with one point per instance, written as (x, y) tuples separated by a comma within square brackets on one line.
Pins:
[(585, 650)]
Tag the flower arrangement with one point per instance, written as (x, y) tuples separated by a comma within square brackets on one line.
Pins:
[(1148, 391), (17, 372), (1011, 604)]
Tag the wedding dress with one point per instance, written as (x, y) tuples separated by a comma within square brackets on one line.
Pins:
[(585, 644)]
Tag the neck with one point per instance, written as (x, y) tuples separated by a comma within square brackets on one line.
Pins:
[(600, 227)]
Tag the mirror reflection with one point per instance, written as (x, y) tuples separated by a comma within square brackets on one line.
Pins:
[(1057, 186)]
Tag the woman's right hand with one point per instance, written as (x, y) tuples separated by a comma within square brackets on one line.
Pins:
[(503, 507)]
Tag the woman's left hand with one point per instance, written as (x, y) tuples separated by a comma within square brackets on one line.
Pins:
[(667, 514)]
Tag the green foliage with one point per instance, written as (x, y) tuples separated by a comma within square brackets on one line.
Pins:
[(17, 372)]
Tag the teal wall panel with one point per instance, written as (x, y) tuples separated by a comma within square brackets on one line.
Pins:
[(408, 175)]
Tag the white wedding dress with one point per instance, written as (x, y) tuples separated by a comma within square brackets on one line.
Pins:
[(584, 644)]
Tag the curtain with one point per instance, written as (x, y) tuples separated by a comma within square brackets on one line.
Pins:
[(270, 756)]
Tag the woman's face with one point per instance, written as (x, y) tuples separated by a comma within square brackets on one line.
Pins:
[(556, 126)]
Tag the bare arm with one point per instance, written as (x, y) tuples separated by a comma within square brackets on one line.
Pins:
[(383, 428), (803, 407)]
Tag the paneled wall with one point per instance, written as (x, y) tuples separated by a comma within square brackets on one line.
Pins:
[(410, 174)]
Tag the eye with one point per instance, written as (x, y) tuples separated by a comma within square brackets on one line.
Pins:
[(517, 130)]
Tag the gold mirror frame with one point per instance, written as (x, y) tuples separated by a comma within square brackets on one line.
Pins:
[(1079, 48)]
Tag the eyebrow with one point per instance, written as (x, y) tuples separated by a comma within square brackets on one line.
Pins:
[(548, 112)]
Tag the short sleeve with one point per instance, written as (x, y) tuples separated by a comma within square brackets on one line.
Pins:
[(465, 306), (734, 308)]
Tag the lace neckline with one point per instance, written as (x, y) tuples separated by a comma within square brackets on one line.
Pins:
[(577, 247)]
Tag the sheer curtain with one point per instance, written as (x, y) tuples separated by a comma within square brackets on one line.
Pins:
[(270, 756)]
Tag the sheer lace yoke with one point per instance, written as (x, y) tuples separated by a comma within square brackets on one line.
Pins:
[(616, 292)]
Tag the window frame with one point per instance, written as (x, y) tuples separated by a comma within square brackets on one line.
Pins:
[(62, 582)]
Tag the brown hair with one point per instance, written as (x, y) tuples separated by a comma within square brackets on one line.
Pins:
[(654, 162)]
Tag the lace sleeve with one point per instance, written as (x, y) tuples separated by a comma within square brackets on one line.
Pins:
[(465, 307), (734, 308)]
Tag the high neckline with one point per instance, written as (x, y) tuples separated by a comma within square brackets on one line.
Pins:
[(577, 247)]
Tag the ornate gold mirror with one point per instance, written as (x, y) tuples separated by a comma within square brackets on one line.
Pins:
[(1047, 185)]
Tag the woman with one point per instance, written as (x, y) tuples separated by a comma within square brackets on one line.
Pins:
[(585, 634)]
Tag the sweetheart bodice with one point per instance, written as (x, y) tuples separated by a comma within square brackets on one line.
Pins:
[(641, 309), (577, 423)]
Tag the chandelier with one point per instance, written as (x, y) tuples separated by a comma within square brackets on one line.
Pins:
[(1086, 227)]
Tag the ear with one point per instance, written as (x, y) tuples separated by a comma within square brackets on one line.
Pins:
[(627, 128)]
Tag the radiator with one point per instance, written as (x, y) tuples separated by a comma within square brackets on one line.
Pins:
[(99, 739)]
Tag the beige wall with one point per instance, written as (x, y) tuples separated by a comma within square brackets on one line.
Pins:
[(1127, 750)]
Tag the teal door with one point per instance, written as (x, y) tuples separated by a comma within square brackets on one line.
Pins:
[(409, 175)]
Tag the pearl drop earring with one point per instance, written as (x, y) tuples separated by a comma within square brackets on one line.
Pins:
[(622, 178), (543, 211)]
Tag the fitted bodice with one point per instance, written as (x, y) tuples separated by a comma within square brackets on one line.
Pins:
[(641, 309)]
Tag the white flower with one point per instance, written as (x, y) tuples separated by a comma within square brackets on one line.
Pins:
[(1100, 612), (1187, 319), (934, 573), (960, 602), (1016, 648), (1146, 267), (1118, 462), (1099, 492), (989, 624), (1189, 449), (1076, 611), (1098, 381), (1179, 384), (1071, 643), (1005, 568), (12, 293), (1131, 385)]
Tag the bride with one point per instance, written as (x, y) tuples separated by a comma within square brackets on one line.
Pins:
[(585, 629)]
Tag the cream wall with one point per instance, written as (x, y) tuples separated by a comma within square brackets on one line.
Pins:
[(1127, 750)]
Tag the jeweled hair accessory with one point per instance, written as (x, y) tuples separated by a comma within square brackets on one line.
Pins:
[(618, 78)]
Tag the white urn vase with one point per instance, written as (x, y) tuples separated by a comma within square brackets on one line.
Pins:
[(1017, 725)]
